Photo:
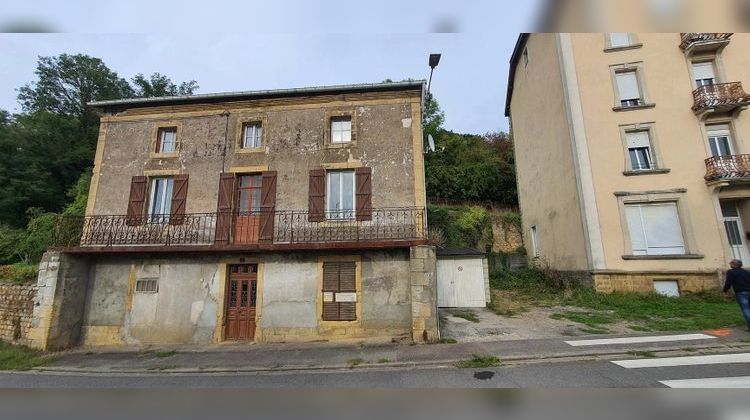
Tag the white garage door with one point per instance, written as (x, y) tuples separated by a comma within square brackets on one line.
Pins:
[(460, 283)]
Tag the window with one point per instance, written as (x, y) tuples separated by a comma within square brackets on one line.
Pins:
[(341, 130), (166, 141), (639, 150), (339, 291), (535, 242), (704, 74), (627, 88), (160, 204), (248, 200), (251, 135), (719, 140), (619, 39), (340, 195), (669, 288), (150, 285), (655, 229), (525, 57)]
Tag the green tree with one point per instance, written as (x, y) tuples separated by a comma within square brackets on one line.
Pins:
[(433, 116), (160, 85)]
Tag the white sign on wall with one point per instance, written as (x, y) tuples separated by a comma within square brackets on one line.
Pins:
[(346, 297), (327, 297)]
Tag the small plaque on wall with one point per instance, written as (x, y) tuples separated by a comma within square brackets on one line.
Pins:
[(327, 296), (346, 297)]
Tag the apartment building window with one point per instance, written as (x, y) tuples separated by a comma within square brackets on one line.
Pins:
[(719, 140), (628, 89), (535, 242), (166, 141), (655, 229), (639, 150), (160, 200), (341, 130), (619, 39), (252, 134), (704, 73), (340, 194)]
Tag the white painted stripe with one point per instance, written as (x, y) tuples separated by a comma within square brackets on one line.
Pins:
[(730, 382), (644, 339), (713, 359)]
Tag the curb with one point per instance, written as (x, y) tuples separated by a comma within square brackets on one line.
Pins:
[(446, 363)]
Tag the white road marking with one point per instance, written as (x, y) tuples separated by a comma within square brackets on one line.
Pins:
[(730, 382), (644, 339), (713, 359)]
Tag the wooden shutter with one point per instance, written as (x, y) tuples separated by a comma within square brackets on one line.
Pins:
[(339, 277), (179, 199), (224, 208), (364, 193), (317, 195), (267, 206), (136, 201)]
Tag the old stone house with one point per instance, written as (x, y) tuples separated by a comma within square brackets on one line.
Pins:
[(283, 215)]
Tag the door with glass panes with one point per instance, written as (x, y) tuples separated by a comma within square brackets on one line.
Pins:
[(247, 219), (735, 231), (241, 298)]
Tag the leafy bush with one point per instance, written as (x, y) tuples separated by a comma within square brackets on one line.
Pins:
[(18, 273), (39, 236), (10, 244), (462, 226)]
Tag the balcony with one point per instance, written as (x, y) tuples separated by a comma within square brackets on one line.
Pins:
[(727, 168), (722, 97), (692, 43), (276, 230)]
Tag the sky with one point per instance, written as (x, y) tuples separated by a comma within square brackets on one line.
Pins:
[(249, 45)]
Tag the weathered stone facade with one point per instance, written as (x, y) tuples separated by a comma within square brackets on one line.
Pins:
[(16, 312), (644, 282)]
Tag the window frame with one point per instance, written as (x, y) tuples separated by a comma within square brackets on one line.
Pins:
[(257, 127), (334, 131), (244, 120), (657, 162), (735, 140), (155, 144), (645, 228), (633, 42), (330, 117), (357, 322), (535, 241), (166, 196), (714, 68), (638, 71), (343, 214)]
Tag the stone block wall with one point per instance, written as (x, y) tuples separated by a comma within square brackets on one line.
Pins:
[(506, 236), (16, 312), (644, 282), (423, 276)]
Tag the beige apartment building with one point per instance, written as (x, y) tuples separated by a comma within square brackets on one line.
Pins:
[(632, 155)]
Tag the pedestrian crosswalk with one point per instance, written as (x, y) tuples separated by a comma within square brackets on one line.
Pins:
[(687, 361), (640, 339)]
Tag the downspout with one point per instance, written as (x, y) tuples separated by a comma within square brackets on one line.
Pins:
[(226, 137)]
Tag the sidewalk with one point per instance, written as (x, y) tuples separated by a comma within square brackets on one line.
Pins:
[(308, 356)]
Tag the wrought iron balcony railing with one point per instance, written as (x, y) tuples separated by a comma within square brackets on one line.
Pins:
[(719, 97), (283, 229), (729, 167), (696, 40)]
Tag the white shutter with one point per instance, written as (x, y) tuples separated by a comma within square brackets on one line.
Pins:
[(619, 39), (635, 228), (662, 228), (717, 130), (638, 139), (703, 71), (627, 85)]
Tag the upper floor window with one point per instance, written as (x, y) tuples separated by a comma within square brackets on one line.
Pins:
[(341, 130), (655, 229), (166, 140), (160, 200), (248, 194), (619, 39), (628, 89), (704, 73), (340, 195), (252, 134), (639, 150), (719, 140)]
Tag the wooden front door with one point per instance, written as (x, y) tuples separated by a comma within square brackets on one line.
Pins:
[(247, 220), (242, 289)]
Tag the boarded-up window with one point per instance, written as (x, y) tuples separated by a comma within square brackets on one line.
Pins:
[(339, 291)]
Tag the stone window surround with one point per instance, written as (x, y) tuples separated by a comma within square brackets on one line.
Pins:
[(243, 120), (657, 160), (331, 114), (715, 57), (733, 134), (677, 196), (153, 154), (634, 43), (638, 68)]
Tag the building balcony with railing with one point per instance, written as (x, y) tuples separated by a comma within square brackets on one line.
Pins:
[(728, 168), (696, 42), (256, 230), (721, 97)]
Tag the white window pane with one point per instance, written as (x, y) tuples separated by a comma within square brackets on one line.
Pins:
[(347, 190), (703, 71), (662, 228), (638, 139), (334, 191), (718, 129), (627, 86), (635, 228), (167, 141), (619, 39)]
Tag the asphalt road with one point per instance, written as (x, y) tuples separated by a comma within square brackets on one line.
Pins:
[(589, 374)]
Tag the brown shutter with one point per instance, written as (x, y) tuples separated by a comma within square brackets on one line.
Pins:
[(364, 193), (317, 195), (267, 206), (347, 284), (179, 199), (224, 208), (136, 201), (330, 284)]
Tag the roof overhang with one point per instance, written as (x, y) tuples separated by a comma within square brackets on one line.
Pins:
[(514, 59)]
